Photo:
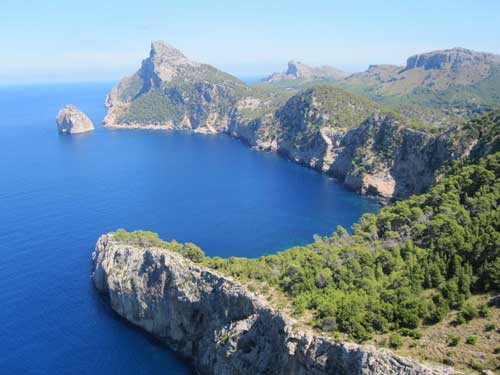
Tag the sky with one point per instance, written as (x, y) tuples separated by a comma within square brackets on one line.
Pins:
[(75, 41)]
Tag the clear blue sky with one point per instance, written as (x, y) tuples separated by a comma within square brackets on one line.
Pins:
[(103, 40)]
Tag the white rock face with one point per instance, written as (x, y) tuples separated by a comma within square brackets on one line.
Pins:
[(219, 326), (298, 70), (73, 121)]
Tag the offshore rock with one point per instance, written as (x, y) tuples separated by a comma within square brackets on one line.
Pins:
[(73, 121)]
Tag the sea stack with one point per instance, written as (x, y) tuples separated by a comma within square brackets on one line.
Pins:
[(73, 121)]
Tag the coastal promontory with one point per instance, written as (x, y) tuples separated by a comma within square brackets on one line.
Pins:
[(71, 120), (217, 324)]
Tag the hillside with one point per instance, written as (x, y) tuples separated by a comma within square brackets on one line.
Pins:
[(436, 87), (433, 90)]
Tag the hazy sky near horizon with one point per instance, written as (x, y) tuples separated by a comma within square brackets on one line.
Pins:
[(48, 41)]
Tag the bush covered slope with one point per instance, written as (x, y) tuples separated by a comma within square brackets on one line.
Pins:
[(406, 266), (402, 268)]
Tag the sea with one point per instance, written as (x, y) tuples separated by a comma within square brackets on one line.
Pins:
[(59, 193)]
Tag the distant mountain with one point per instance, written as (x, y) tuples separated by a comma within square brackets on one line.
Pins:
[(438, 69), (298, 70), (435, 87)]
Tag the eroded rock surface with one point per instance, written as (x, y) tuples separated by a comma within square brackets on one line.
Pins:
[(73, 121), (221, 327)]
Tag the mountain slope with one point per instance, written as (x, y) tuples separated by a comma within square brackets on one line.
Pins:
[(438, 87)]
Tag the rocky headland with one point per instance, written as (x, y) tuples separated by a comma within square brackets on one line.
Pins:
[(71, 120), (369, 148), (219, 326)]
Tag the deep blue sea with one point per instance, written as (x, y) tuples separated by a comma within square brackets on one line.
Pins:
[(58, 193)]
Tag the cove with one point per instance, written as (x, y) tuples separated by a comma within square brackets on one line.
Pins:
[(59, 193)]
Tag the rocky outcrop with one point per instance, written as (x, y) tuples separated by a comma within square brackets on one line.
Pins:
[(71, 120), (219, 326), (298, 70)]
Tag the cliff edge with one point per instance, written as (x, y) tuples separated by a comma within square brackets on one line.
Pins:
[(218, 325)]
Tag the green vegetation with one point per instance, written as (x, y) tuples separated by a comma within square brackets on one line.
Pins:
[(469, 311), (454, 340), (338, 108), (471, 340), (395, 341), (143, 238), (154, 107), (490, 327)]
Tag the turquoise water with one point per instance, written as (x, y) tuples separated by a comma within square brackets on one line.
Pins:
[(59, 193)]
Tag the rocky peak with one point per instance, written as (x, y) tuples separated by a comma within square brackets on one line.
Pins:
[(162, 52), (165, 61), (299, 70), (455, 57)]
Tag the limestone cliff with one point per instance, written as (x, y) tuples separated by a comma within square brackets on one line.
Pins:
[(372, 152), (219, 326), (71, 120)]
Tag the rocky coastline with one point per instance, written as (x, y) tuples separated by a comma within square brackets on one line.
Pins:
[(369, 149), (219, 326)]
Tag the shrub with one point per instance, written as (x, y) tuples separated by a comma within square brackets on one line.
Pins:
[(469, 311), (454, 340), (471, 340), (448, 362), (192, 252), (490, 327), (476, 366), (459, 320), (415, 333), (484, 311), (395, 341)]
